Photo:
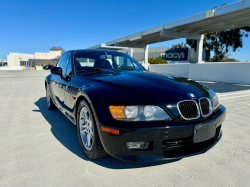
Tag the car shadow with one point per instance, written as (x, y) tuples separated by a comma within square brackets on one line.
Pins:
[(66, 133)]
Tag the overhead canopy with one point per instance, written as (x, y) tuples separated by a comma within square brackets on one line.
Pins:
[(104, 46), (231, 16)]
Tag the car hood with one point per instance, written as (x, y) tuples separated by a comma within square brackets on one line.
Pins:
[(155, 87)]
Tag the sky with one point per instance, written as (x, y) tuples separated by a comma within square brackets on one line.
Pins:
[(29, 26)]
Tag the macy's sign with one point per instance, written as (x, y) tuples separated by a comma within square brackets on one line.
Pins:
[(178, 54)]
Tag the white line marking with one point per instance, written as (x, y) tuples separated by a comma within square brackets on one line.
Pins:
[(235, 97), (234, 93), (245, 103)]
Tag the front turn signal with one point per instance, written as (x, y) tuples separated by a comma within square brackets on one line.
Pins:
[(117, 112), (111, 131)]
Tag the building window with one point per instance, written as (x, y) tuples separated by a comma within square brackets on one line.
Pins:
[(25, 63)]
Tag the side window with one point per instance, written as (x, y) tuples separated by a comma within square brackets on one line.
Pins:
[(124, 62), (59, 61), (135, 66), (64, 63), (69, 68), (129, 63)]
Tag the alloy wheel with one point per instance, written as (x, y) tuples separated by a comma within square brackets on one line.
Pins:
[(86, 128)]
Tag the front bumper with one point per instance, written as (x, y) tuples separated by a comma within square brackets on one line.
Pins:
[(167, 142)]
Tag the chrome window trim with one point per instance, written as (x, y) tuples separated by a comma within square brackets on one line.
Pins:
[(210, 107), (198, 110)]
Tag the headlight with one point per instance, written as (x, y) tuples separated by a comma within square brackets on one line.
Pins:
[(216, 102), (139, 113), (149, 111), (131, 111)]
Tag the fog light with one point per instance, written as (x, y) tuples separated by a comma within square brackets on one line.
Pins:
[(137, 145)]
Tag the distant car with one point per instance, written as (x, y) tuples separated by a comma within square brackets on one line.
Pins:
[(130, 113), (47, 67)]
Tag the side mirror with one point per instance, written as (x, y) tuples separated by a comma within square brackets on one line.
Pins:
[(56, 71)]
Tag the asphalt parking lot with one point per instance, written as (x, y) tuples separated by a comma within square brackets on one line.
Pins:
[(39, 147)]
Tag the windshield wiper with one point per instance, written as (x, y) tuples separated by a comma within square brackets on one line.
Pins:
[(125, 69), (91, 69), (87, 74)]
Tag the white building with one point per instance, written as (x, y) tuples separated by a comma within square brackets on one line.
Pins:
[(19, 59), (38, 58)]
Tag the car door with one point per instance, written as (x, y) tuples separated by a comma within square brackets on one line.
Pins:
[(55, 89), (59, 84), (71, 88)]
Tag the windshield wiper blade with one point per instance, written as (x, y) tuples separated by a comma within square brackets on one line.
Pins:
[(87, 74), (91, 69), (125, 69)]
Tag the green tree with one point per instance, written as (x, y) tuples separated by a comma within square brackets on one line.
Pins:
[(180, 45), (222, 42), (225, 59), (157, 60), (192, 43), (151, 60), (160, 60)]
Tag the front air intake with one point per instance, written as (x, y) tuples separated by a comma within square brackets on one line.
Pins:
[(189, 109), (205, 105)]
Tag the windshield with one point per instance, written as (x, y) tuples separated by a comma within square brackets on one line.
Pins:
[(104, 60)]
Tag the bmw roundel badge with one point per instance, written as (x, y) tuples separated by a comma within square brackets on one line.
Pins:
[(192, 96)]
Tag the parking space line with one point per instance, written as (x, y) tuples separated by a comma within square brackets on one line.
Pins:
[(234, 97), (245, 103), (234, 93)]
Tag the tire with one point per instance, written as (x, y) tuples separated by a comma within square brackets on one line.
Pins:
[(50, 104), (87, 132)]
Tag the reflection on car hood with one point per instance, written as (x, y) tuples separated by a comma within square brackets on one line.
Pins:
[(153, 85)]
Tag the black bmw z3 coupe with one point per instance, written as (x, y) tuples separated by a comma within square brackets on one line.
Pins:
[(123, 110)]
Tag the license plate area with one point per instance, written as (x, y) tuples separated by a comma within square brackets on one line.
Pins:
[(204, 132)]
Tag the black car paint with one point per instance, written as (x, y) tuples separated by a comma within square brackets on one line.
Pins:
[(126, 87)]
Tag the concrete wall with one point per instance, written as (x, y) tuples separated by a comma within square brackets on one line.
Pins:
[(231, 72), (174, 69)]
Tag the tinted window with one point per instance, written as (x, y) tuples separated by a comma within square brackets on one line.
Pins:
[(69, 69), (104, 60), (86, 62), (64, 63), (123, 62), (59, 61)]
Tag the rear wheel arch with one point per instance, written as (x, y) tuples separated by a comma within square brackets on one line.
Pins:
[(50, 104)]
